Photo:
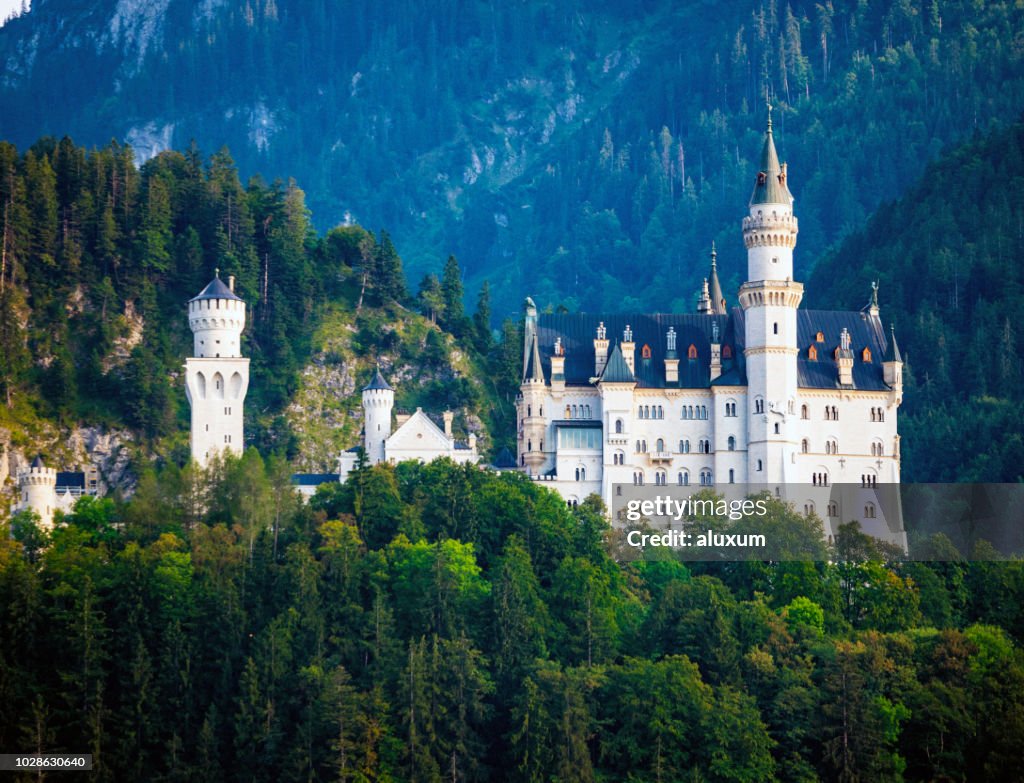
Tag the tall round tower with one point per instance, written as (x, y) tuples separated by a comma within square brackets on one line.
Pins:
[(37, 488), (769, 299), (378, 401), (216, 376)]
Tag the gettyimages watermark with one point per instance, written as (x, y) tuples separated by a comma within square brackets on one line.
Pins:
[(819, 522)]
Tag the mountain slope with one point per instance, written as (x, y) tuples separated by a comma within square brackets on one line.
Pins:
[(581, 153), (947, 256)]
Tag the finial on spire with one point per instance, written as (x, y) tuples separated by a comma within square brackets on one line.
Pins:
[(768, 103), (216, 272), (714, 254)]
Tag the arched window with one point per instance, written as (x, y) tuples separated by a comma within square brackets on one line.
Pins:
[(776, 428), (805, 447), (869, 511), (618, 426), (760, 466), (758, 405), (819, 337), (804, 413), (808, 508), (684, 447), (638, 478), (705, 478), (577, 474), (812, 353), (643, 446), (661, 412), (568, 412), (683, 478), (691, 352), (660, 445), (583, 474), (732, 443), (833, 509), (704, 412), (640, 411), (645, 352), (726, 351), (660, 478), (732, 476), (775, 328), (638, 447), (865, 355), (574, 412)]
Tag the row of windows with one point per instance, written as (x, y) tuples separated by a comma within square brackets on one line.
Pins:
[(650, 412), (870, 511), (575, 412), (682, 478)]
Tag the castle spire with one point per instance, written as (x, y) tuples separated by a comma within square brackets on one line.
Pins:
[(770, 187), (715, 288)]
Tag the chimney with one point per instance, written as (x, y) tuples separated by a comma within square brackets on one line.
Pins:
[(471, 441), (628, 348), (716, 352), (600, 350), (671, 357), (231, 283), (844, 359), (448, 418), (558, 366)]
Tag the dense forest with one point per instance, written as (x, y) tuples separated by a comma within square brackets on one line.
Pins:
[(947, 256), (97, 261), (582, 153), (437, 622)]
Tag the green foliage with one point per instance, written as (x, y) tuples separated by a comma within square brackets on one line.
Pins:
[(491, 637)]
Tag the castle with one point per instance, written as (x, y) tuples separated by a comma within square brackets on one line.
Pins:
[(760, 394)]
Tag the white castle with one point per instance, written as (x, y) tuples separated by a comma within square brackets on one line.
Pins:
[(217, 375), (46, 490), (764, 393)]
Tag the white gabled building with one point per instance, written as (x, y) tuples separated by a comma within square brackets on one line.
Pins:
[(765, 393)]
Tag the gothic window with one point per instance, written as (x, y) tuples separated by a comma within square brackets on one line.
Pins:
[(638, 478), (661, 478), (833, 509), (691, 352), (869, 511), (758, 405), (618, 426), (705, 478), (577, 474), (684, 447), (808, 508), (643, 446), (683, 479), (645, 352), (660, 445), (805, 447), (804, 413), (732, 476), (866, 355), (583, 474), (819, 337), (812, 353), (661, 412), (732, 443), (638, 447), (760, 466), (704, 412)]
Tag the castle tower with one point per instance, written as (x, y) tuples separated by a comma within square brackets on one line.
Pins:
[(769, 299), (533, 425), (37, 491), (216, 376), (378, 401)]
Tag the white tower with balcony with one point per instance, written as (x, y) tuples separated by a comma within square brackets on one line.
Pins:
[(378, 402), (217, 375), (770, 299)]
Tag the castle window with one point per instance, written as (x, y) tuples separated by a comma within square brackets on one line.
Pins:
[(660, 445), (866, 355), (812, 354), (869, 511), (805, 446), (704, 412), (775, 328), (704, 446), (691, 352), (684, 447), (758, 405), (730, 409), (661, 412), (833, 509), (819, 337), (618, 426), (645, 352), (726, 351), (732, 443), (683, 479), (760, 466), (732, 476), (776, 428), (705, 478), (808, 509), (804, 413), (638, 478), (587, 414), (661, 478)]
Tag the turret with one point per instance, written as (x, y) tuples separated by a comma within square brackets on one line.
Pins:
[(531, 409), (844, 360), (378, 401), (216, 376), (892, 365), (37, 488), (715, 297)]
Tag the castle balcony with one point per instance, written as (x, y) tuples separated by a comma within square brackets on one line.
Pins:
[(658, 457), (771, 223)]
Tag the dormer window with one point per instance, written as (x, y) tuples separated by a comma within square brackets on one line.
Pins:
[(812, 353), (726, 351), (819, 337), (645, 352), (691, 352), (865, 355)]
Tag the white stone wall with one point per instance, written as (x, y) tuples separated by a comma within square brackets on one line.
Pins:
[(216, 391)]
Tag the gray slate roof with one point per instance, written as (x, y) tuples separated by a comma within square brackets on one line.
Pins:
[(216, 289), (770, 187), (314, 479), (616, 370), (378, 382), (577, 331)]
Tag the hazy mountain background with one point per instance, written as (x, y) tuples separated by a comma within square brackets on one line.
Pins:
[(584, 153)]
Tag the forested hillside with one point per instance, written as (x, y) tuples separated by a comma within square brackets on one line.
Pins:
[(948, 258), (99, 258), (584, 153), (436, 622)]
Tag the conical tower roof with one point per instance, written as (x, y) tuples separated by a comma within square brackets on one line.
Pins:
[(714, 287), (378, 382), (215, 289), (892, 350), (616, 370), (770, 187), (534, 370)]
